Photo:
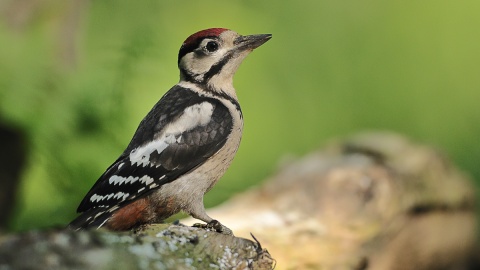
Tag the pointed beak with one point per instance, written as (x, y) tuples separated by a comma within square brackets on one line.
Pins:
[(244, 43)]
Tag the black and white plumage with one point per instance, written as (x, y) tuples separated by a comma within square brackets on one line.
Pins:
[(183, 145)]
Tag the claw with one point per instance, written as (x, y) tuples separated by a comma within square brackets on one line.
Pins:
[(215, 226)]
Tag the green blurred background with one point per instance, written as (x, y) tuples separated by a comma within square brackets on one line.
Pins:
[(76, 78)]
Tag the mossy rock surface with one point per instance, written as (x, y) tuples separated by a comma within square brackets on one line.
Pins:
[(158, 246)]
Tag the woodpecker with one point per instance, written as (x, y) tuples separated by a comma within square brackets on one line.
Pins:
[(182, 146)]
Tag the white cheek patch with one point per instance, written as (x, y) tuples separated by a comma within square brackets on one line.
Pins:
[(195, 65), (193, 116), (199, 65)]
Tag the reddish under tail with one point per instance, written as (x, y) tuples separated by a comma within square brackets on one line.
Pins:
[(122, 219)]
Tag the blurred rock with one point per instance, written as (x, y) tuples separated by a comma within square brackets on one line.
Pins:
[(375, 201), (162, 246)]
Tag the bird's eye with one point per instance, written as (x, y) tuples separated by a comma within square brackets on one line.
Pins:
[(211, 46)]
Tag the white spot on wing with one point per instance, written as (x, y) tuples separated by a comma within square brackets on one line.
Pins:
[(98, 214), (97, 198), (131, 180), (115, 179), (146, 180), (121, 195), (193, 116), (141, 155), (118, 196), (102, 223)]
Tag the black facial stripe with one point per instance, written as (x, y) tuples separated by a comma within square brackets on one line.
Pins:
[(217, 67)]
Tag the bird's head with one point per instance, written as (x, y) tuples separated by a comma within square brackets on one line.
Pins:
[(212, 56)]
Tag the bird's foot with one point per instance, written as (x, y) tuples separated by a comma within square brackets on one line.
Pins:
[(215, 226)]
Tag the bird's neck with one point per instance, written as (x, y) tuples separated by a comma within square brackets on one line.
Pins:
[(216, 86)]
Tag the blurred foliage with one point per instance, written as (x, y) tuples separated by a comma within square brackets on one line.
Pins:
[(78, 76)]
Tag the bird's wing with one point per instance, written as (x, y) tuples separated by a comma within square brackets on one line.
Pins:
[(181, 132)]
